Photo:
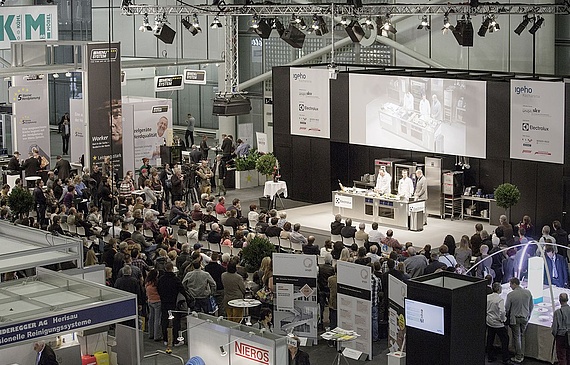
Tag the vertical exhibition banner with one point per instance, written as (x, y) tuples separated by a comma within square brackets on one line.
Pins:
[(78, 135), (310, 95), (397, 292), (354, 304), (104, 103), (295, 306), (537, 121), (31, 119), (151, 123)]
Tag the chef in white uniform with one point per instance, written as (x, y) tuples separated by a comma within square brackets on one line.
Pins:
[(383, 182), (405, 185)]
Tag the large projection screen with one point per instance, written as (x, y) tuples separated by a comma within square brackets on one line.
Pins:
[(444, 116)]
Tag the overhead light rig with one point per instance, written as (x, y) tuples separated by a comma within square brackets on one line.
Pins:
[(347, 10)]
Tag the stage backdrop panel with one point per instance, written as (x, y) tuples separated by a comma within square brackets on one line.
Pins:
[(310, 96), (537, 121), (296, 306), (418, 114)]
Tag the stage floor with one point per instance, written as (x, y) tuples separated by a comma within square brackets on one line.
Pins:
[(316, 219)]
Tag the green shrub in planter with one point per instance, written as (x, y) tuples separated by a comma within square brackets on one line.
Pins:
[(20, 201), (255, 251), (507, 195), (266, 163), (248, 162)]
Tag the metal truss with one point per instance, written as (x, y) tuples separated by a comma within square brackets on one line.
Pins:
[(231, 55), (347, 10)]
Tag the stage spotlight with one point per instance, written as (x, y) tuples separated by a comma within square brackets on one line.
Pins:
[(277, 25), (521, 27), (368, 23), (424, 24), (355, 31), (216, 24), (344, 21), (261, 28), (494, 26), (145, 27), (293, 36), (484, 27), (322, 26), (193, 27), (537, 24), (447, 25), (299, 22), (387, 27)]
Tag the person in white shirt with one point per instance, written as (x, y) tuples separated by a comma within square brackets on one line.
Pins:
[(383, 182), (496, 317), (408, 101), (425, 109), (436, 111), (405, 185), (373, 254), (375, 236)]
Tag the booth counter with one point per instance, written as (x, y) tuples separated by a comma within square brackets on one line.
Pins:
[(218, 341), (49, 306), (368, 206)]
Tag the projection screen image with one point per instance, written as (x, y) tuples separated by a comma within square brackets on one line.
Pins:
[(421, 114)]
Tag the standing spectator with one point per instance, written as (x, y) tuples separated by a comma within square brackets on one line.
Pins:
[(557, 266), (190, 124), (505, 229), (519, 305), (326, 270), (199, 286), (168, 287), (63, 168), (154, 315), (177, 186), (220, 172), (64, 128), (204, 147), (242, 149), (129, 283), (205, 174), (560, 328), (561, 237), (14, 163), (216, 270), (496, 324), (41, 202), (106, 199), (234, 288), (46, 355), (227, 147), (332, 284)]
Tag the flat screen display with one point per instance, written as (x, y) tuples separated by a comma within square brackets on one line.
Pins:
[(446, 116), (424, 316)]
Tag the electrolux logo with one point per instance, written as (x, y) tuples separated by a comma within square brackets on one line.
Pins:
[(529, 127), (523, 90), (299, 76)]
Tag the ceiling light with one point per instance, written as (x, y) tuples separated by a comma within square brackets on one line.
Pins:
[(447, 25), (216, 23), (537, 24), (299, 22), (484, 27), (145, 27), (55, 76), (344, 21), (368, 22), (522, 25), (261, 27), (387, 27), (424, 23), (68, 74), (494, 26), (255, 22), (278, 26), (192, 26), (319, 26)]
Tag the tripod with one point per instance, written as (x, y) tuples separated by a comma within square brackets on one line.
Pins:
[(339, 355)]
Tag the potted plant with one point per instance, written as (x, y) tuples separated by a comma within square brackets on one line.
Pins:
[(246, 176), (255, 251), (20, 202), (266, 166), (506, 196)]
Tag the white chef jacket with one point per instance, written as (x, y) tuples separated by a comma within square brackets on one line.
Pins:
[(383, 183), (406, 187)]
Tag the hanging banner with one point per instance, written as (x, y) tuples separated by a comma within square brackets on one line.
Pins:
[(354, 304), (78, 135), (262, 145), (295, 304), (397, 292), (151, 122), (28, 23), (310, 95), (537, 121), (31, 120), (104, 103)]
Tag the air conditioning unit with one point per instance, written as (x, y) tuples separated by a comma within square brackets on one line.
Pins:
[(231, 105)]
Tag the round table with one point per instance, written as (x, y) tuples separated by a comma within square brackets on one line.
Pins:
[(245, 304)]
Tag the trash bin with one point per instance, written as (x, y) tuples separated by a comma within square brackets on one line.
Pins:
[(264, 202), (417, 221)]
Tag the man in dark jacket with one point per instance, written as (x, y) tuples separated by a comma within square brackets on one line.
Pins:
[(561, 237), (127, 282), (336, 225), (63, 168), (216, 270), (326, 270), (14, 163), (45, 356), (310, 248), (41, 202), (169, 286)]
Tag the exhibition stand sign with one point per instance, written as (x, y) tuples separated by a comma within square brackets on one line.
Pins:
[(418, 114), (31, 119), (296, 306), (354, 304), (396, 316), (28, 23), (537, 121), (310, 97), (152, 120), (77, 122), (105, 116)]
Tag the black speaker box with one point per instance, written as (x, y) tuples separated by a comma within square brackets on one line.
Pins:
[(165, 33), (263, 30), (230, 106), (294, 37)]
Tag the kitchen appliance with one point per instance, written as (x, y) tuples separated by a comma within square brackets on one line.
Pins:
[(434, 203)]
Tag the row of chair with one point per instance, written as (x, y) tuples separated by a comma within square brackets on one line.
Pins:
[(347, 241)]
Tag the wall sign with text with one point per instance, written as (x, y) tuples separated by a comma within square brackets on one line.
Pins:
[(168, 83), (195, 77)]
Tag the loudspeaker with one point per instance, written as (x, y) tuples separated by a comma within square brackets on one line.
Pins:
[(294, 37), (165, 33), (463, 33), (355, 31), (230, 106)]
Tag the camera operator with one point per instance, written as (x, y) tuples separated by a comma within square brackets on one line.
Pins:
[(205, 174), (177, 181)]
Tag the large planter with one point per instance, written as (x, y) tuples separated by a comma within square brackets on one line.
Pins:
[(262, 178), (246, 179)]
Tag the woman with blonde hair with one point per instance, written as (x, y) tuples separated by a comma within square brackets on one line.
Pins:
[(91, 258), (345, 255), (463, 253)]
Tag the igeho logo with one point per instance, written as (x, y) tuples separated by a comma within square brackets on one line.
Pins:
[(523, 90), (299, 76)]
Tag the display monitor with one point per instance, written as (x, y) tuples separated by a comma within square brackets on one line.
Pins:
[(446, 116), (424, 316)]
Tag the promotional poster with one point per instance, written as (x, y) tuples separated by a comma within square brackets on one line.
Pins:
[(310, 95), (418, 114), (397, 292), (537, 121), (30, 121), (152, 120), (28, 23), (77, 121), (105, 111), (296, 307)]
